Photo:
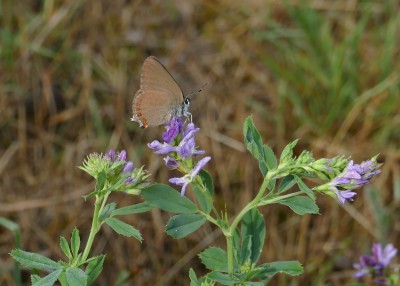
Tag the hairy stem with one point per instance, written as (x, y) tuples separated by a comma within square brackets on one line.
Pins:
[(96, 224)]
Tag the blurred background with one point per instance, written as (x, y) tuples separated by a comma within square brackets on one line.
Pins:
[(326, 72)]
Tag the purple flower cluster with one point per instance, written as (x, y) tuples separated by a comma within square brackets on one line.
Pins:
[(353, 177), (178, 143), (120, 157), (376, 263), (115, 156), (179, 146)]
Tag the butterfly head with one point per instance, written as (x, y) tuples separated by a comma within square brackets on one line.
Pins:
[(185, 108)]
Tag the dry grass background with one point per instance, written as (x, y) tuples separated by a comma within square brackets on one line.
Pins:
[(68, 73)]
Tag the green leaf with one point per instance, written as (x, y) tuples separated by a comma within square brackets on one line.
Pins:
[(207, 181), (223, 278), (9, 224), (101, 180), (34, 278), (263, 167), (287, 153), (287, 183), (193, 278), (252, 138), (116, 185), (168, 199), (133, 209), (94, 268), (34, 260), (261, 152), (236, 239), (204, 192), (183, 224), (269, 157), (244, 251), (76, 276), (123, 228), (65, 247), (303, 187), (214, 258), (293, 268), (63, 279), (75, 242), (253, 225), (300, 205), (48, 280), (107, 210), (92, 194), (202, 198)]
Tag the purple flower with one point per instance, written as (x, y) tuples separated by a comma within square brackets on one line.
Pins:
[(370, 169), (174, 128), (366, 262), (171, 163), (128, 168), (122, 156), (130, 181), (383, 256), (189, 177), (110, 155), (115, 156), (187, 147), (357, 175), (345, 195), (179, 146), (376, 263), (161, 148), (178, 141), (353, 177)]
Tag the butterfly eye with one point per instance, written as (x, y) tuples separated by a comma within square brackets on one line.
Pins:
[(186, 101)]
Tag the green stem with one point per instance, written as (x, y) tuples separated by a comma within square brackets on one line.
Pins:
[(250, 205), (277, 199), (98, 206), (210, 218), (229, 247), (229, 233), (254, 203)]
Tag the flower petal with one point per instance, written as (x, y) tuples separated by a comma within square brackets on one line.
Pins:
[(161, 148), (199, 166), (171, 163), (128, 168), (174, 128), (345, 195)]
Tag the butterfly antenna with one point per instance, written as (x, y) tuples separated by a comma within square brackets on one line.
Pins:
[(198, 90)]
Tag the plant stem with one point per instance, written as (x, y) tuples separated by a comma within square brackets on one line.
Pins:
[(253, 204), (210, 218), (94, 228), (250, 205), (229, 233), (277, 199), (229, 247)]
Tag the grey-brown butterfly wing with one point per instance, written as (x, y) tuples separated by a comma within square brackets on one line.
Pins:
[(159, 95)]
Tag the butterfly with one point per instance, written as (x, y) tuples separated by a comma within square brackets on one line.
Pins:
[(159, 97)]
